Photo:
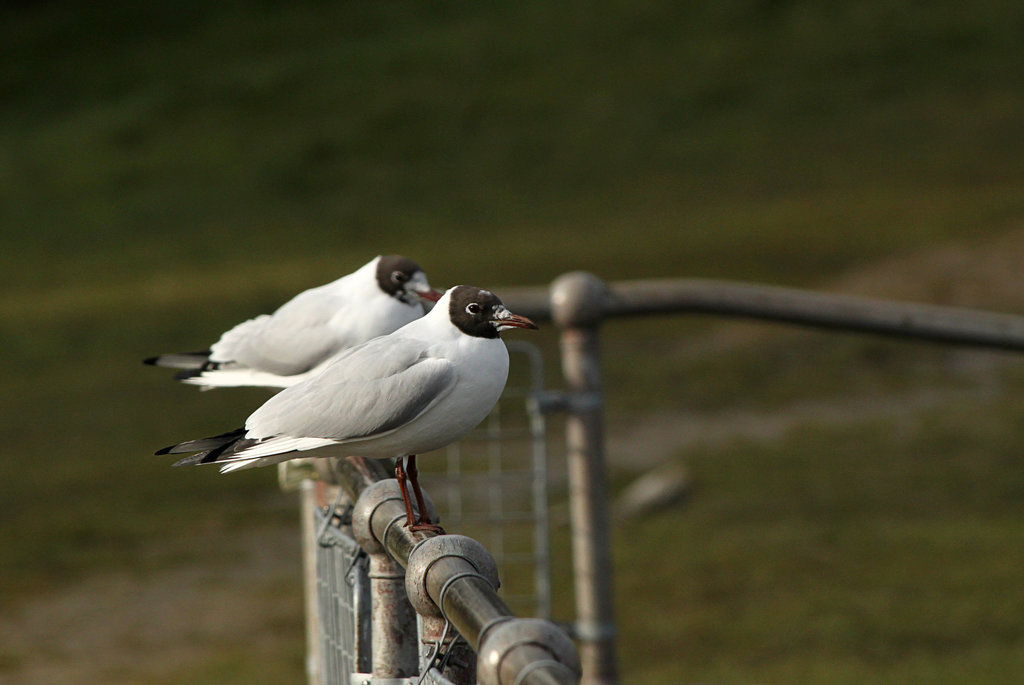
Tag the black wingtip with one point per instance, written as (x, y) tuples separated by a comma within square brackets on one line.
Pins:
[(181, 360), (208, 449)]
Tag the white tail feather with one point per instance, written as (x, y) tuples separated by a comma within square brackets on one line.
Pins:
[(243, 378)]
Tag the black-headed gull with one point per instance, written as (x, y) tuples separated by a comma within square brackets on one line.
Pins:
[(302, 337), (415, 390)]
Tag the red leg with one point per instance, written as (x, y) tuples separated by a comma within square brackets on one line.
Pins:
[(410, 520), (422, 523)]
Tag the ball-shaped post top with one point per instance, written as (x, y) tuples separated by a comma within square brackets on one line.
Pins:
[(365, 507), (497, 664), (578, 300), (379, 504), (478, 561)]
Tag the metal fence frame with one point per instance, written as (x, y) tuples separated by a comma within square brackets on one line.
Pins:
[(578, 303), (390, 606)]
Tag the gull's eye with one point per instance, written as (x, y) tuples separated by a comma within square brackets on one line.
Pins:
[(399, 276), (473, 308)]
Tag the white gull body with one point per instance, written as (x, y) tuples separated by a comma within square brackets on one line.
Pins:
[(304, 335), (413, 391)]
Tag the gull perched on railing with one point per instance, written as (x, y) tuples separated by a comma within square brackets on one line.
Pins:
[(416, 390), (302, 337)]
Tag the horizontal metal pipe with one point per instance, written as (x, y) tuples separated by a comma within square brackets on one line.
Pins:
[(537, 664), (469, 601), (389, 527), (531, 301), (952, 325), (464, 589)]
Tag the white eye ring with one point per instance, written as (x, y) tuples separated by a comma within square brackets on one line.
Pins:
[(399, 277), (472, 308)]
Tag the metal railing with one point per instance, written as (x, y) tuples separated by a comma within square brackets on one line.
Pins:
[(578, 302), (394, 606), (457, 589)]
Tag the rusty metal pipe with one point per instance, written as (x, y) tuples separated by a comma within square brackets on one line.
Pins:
[(393, 624), (393, 643)]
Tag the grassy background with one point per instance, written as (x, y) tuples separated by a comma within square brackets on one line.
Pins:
[(168, 170)]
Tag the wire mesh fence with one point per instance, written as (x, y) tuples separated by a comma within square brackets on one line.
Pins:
[(493, 485), (343, 591), (344, 629)]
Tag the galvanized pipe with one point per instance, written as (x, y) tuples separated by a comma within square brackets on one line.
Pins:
[(393, 642), (951, 325), (393, 623), (456, 578), (579, 302), (536, 663), (464, 596), (526, 650), (314, 653), (577, 307)]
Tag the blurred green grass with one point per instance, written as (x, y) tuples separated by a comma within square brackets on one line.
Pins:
[(852, 555), (168, 170)]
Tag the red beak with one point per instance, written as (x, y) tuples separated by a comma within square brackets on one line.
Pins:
[(515, 321), (429, 295)]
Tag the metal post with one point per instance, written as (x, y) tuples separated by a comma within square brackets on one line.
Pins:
[(393, 632), (308, 495), (394, 621), (577, 303)]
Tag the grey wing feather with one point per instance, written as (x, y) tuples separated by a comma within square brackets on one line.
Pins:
[(291, 340), (432, 378), (377, 387)]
